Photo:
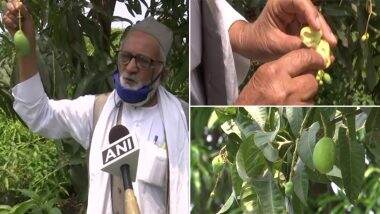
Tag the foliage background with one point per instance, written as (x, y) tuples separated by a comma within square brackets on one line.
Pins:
[(76, 57), (259, 145), (356, 70)]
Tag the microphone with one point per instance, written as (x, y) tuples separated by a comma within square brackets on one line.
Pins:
[(120, 158), (123, 149)]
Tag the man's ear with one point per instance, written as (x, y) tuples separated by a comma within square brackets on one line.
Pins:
[(164, 73)]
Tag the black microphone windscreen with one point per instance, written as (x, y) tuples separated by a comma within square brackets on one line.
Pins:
[(117, 132)]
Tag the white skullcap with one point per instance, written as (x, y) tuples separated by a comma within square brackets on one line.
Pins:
[(158, 30)]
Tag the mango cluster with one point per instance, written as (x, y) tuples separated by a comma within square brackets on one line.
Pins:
[(313, 39)]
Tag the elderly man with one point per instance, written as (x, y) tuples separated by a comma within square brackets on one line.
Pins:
[(222, 42), (138, 102)]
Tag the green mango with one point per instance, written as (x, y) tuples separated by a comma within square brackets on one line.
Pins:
[(323, 48), (310, 37), (21, 43), (327, 78), (289, 188), (324, 155), (217, 163)]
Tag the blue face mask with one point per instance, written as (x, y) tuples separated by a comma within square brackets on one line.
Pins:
[(129, 95)]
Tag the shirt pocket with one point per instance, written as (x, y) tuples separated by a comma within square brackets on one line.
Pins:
[(152, 164)]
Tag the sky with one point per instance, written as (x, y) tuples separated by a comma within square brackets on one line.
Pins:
[(121, 10)]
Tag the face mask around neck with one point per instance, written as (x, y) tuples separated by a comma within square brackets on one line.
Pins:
[(135, 97)]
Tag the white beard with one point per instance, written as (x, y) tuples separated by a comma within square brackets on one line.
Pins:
[(126, 85), (138, 86)]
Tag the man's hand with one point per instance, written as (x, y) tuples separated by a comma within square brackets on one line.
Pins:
[(276, 31), (11, 20), (27, 64), (288, 80)]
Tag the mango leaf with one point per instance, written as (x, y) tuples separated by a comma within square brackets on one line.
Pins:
[(317, 177), (270, 198), (258, 114), (250, 162), (295, 118), (373, 119), (54, 210), (360, 120), (263, 141), (297, 206), (236, 181), (226, 114), (232, 142), (373, 146), (226, 206), (23, 207), (335, 172), (372, 75), (230, 127), (351, 163), (324, 116), (212, 120), (372, 128), (248, 199), (301, 181), (246, 125), (5, 209), (307, 143), (199, 121)]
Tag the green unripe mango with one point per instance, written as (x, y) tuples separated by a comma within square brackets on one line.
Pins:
[(326, 78), (324, 155), (289, 188), (365, 37), (323, 49), (21, 43), (320, 73), (217, 163), (313, 39), (310, 37)]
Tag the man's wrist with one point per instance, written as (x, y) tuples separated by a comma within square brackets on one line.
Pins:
[(28, 66)]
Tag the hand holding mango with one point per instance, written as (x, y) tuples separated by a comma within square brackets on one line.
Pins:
[(313, 39), (16, 18), (21, 41)]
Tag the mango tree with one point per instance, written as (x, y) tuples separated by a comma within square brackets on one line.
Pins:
[(278, 160)]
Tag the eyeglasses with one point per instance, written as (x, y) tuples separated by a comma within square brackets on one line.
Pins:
[(142, 61)]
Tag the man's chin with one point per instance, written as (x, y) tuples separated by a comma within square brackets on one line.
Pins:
[(131, 87)]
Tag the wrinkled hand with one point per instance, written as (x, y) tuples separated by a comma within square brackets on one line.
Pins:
[(11, 21), (276, 31), (288, 80)]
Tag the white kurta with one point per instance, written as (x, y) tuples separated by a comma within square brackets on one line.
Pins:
[(204, 87), (154, 127)]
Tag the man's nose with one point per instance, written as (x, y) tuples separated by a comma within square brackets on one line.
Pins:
[(131, 67)]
